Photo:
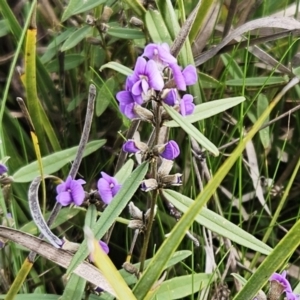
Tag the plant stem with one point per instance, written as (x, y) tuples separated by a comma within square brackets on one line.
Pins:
[(155, 192)]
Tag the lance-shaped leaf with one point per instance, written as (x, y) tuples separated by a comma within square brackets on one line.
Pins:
[(217, 223), (113, 210), (208, 109), (117, 67), (54, 162), (58, 256), (191, 130)]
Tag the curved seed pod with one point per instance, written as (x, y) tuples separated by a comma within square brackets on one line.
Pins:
[(37, 214)]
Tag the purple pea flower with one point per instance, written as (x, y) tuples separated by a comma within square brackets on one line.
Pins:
[(183, 78), (284, 283), (145, 77), (108, 187), (126, 104), (130, 147), (171, 150), (3, 169), (186, 105), (70, 191), (160, 54), (171, 98)]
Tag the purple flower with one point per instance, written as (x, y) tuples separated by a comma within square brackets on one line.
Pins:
[(70, 191), (286, 287), (190, 75), (145, 76), (130, 147), (3, 169), (126, 104), (183, 78), (160, 54), (104, 246), (186, 105), (108, 187), (171, 97), (171, 150)]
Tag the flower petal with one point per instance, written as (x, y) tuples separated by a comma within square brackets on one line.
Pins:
[(104, 247), (104, 190), (130, 147), (171, 97), (178, 77), (64, 198), (171, 150), (186, 105), (3, 169), (190, 75), (77, 192), (155, 79)]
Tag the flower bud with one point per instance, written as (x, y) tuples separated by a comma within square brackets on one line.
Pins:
[(149, 185), (174, 179), (130, 268), (136, 22), (143, 113), (169, 150), (3, 169), (107, 12), (132, 146), (147, 213), (135, 212), (136, 224)]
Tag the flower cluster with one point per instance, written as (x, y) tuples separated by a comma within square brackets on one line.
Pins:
[(279, 285), (72, 192), (157, 76)]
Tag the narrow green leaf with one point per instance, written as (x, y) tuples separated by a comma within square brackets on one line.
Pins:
[(54, 162), (64, 215), (76, 37), (208, 82), (191, 130), (53, 47), (182, 286), (117, 67), (208, 109), (157, 28), (257, 81), (71, 61), (137, 7), (126, 33), (264, 134), (105, 96), (284, 249), (113, 210), (218, 224), (74, 289), (78, 6)]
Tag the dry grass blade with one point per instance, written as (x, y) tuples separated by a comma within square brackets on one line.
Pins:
[(58, 256), (270, 22), (184, 31)]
